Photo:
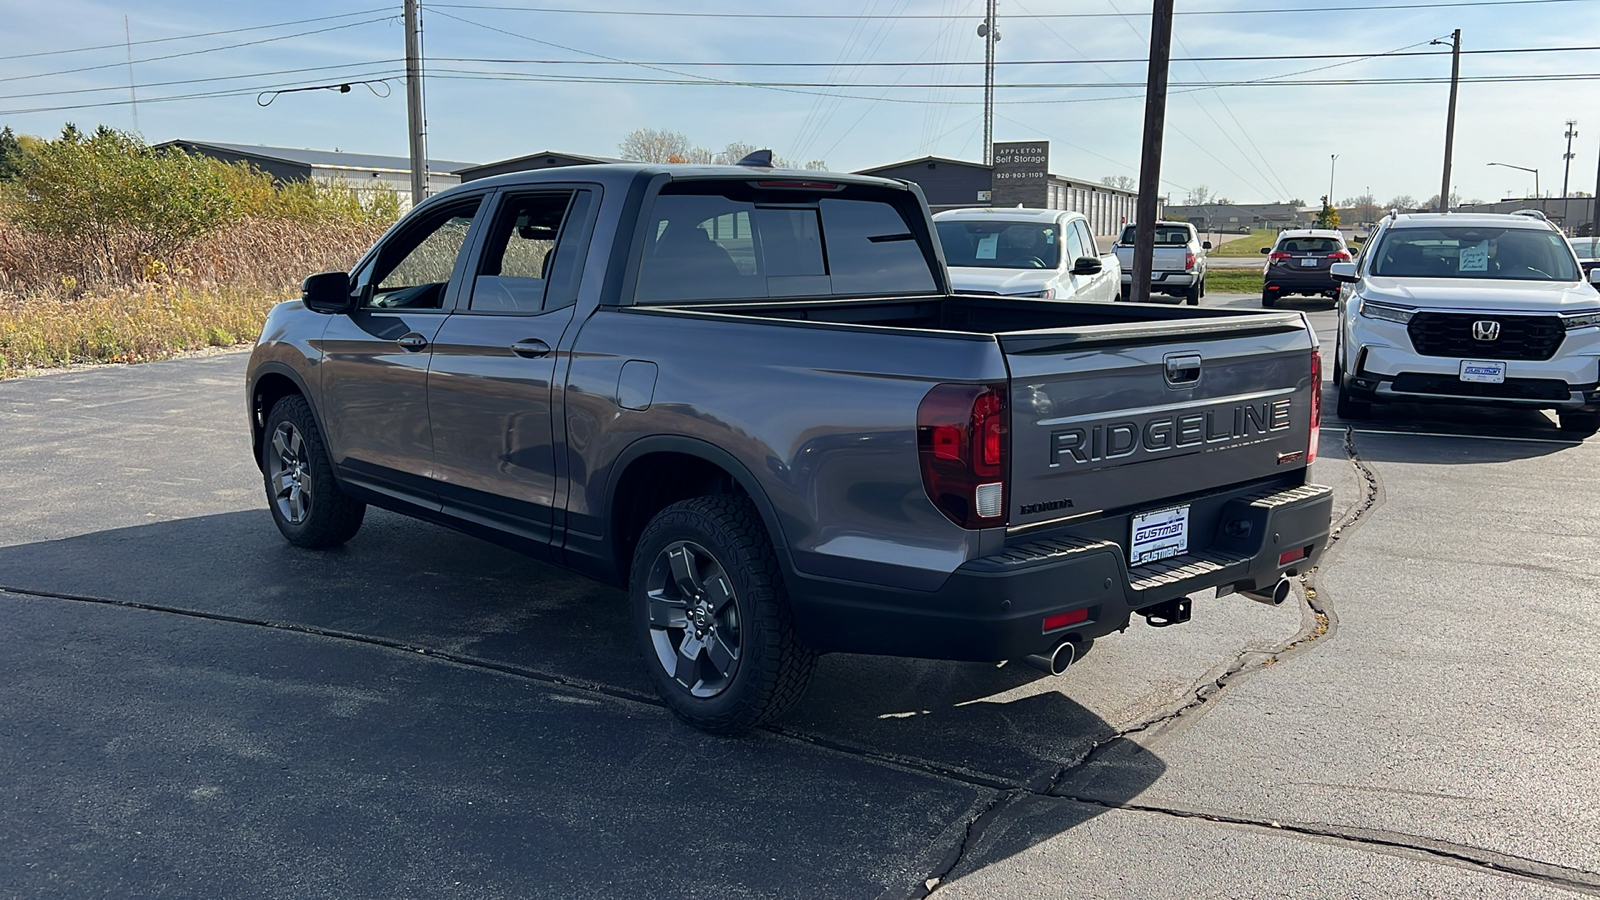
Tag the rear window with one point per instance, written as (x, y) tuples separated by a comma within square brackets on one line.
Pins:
[(733, 241), (1165, 236), (1310, 245)]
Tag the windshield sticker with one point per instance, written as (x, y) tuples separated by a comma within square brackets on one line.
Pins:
[(1049, 236), (1474, 258), (987, 245)]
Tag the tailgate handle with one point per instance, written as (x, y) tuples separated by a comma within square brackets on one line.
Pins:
[(1182, 368)]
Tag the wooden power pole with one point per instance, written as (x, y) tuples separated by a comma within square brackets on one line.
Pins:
[(414, 119), (1155, 120)]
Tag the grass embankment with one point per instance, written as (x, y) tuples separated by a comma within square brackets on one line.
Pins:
[(1233, 281), (1246, 245), (217, 297)]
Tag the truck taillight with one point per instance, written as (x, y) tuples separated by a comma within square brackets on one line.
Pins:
[(963, 444), (1188, 261), (1316, 407)]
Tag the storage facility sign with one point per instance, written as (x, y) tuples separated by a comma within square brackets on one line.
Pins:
[(1021, 174)]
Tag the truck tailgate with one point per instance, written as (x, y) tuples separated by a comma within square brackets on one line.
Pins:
[(1128, 417)]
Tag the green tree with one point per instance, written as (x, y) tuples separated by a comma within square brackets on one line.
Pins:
[(11, 154), (1329, 217), (120, 205)]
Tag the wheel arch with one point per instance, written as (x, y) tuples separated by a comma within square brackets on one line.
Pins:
[(656, 472), (270, 383)]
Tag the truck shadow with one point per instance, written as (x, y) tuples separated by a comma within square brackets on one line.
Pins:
[(409, 582), (1442, 434)]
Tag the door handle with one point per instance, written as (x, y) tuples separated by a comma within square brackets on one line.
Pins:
[(532, 348), (412, 342)]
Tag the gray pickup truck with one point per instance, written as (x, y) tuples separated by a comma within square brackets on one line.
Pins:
[(749, 398)]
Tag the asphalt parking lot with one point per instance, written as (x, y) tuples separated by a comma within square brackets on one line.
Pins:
[(191, 708)]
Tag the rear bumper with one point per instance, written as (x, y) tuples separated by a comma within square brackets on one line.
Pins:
[(1288, 279), (1164, 281), (993, 608)]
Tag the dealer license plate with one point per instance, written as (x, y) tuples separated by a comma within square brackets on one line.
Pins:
[(1308, 261), (1483, 371), (1158, 535)]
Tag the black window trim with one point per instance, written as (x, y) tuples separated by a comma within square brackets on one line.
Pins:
[(497, 200), (405, 226)]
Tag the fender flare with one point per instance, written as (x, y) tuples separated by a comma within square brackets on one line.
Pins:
[(711, 453), (273, 367)]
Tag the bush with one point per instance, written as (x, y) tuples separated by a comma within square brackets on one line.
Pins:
[(116, 203)]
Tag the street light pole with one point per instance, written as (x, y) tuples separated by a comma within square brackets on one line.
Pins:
[(1524, 169), (414, 119), (1333, 160)]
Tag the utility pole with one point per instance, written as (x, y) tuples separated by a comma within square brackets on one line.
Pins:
[(1155, 122), (1572, 132), (991, 36), (133, 95), (414, 119), (1333, 160), (1450, 119), (1594, 206)]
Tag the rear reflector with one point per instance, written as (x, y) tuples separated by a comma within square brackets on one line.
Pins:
[(1316, 407), (1062, 620), (1289, 556)]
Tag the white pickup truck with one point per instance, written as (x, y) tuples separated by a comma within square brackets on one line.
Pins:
[(1046, 253), (1178, 268)]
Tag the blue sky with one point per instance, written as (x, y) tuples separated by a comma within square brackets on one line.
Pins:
[(1261, 142)]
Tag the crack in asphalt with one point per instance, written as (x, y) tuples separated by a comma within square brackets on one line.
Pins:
[(1580, 880)]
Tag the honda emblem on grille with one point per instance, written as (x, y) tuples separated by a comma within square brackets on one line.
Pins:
[(1486, 330)]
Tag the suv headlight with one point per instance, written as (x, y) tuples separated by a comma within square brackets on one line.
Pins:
[(1046, 294), (1582, 320), (1386, 312)]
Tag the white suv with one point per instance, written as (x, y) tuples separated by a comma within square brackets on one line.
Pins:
[(1469, 308)]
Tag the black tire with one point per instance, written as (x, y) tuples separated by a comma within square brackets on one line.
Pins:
[(1268, 299), (1202, 287), (1192, 295), (1122, 294), (1578, 423), (692, 553), (1349, 408), (310, 508)]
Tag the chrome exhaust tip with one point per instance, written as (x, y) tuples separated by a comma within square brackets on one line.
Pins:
[(1057, 661), (1273, 596)]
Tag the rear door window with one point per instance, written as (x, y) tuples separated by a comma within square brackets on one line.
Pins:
[(732, 241)]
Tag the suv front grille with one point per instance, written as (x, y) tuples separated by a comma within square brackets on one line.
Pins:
[(1521, 337)]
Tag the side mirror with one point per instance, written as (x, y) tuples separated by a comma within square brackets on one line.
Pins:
[(1594, 275), (1266, 251), (1205, 245), (326, 292), (1087, 265), (1343, 272)]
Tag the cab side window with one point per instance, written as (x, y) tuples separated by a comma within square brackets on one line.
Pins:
[(414, 268), (1090, 246), (1074, 244)]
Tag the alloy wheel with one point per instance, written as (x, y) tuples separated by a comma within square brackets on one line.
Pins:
[(694, 621)]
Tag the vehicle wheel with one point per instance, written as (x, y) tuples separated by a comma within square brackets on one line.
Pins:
[(1192, 295), (1122, 294), (1202, 287), (307, 503), (1349, 408), (712, 617), (1268, 299), (1578, 422)]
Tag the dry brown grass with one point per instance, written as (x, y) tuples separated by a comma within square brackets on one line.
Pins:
[(216, 295)]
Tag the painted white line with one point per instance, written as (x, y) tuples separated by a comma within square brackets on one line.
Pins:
[(1475, 437)]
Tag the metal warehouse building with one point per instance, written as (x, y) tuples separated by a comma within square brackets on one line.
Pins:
[(957, 183), (359, 170)]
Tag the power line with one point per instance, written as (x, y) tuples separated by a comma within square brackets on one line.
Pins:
[(187, 37), (206, 80), (281, 37), (1286, 57), (1415, 7)]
